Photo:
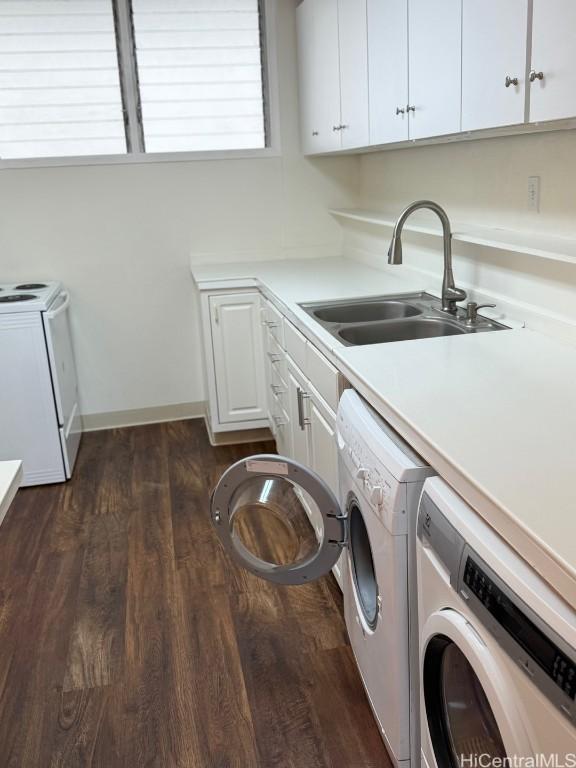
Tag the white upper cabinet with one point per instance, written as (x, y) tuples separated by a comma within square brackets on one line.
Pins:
[(377, 72), (388, 70), (434, 52), (319, 75), (307, 77), (328, 73), (494, 52), (552, 80), (333, 74), (353, 34)]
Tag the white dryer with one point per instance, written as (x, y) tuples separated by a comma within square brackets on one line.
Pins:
[(280, 520), (497, 647)]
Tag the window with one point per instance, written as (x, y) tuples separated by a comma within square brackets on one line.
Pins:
[(110, 77)]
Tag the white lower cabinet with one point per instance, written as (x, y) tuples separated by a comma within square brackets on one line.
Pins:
[(234, 361)]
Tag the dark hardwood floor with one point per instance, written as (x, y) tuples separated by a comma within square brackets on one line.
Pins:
[(128, 639)]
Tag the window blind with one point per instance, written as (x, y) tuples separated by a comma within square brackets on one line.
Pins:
[(59, 84), (200, 74)]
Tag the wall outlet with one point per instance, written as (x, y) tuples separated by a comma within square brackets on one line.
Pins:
[(534, 193)]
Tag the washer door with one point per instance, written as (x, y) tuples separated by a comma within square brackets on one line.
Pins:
[(278, 519), (361, 563), (470, 705)]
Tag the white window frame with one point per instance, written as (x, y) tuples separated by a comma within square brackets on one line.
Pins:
[(271, 118)]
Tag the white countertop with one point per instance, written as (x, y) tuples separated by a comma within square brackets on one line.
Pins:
[(494, 413), (10, 478)]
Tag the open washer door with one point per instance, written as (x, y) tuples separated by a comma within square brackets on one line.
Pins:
[(278, 519)]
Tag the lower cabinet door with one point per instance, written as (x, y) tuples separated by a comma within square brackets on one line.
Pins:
[(238, 357), (261, 520)]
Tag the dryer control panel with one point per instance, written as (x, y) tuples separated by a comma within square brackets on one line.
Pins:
[(542, 655)]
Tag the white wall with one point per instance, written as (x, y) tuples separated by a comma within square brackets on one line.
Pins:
[(482, 182), (121, 237)]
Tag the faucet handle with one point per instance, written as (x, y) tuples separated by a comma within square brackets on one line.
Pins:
[(472, 311)]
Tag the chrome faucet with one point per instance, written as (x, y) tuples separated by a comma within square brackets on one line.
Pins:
[(450, 294)]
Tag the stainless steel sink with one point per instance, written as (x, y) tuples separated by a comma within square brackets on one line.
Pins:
[(378, 333), (368, 311), (402, 317)]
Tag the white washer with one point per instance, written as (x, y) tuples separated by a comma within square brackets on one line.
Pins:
[(367, 529), (381, 479), (497, 646)]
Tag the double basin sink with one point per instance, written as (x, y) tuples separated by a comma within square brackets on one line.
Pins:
[(394, 318)]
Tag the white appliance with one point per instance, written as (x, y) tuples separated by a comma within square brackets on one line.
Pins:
[(39, 415), (280, 520), (381, 479), (497, 646)]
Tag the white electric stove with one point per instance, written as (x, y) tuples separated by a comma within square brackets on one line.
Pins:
[(39, 413)]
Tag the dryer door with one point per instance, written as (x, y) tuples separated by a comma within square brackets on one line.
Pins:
[(470, 705), (278, 519)]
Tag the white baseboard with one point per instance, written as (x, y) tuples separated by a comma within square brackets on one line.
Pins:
[(238, 436), (138, 416)]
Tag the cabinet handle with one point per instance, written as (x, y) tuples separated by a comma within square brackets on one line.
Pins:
[(336, 127), (510, 81), (410, 108), (273, 357), (216, 316), (400, 111), (279, 421), (344, 127), (536, 75), (300, 407), (315, 133), (277, 389)]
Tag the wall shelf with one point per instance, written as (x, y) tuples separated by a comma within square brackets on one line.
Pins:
[(542, 246)]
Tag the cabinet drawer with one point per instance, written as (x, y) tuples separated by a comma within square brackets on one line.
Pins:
[(323, 376), (281, 428), (272, 319), (276, 357), (278, 387), (295, 344)]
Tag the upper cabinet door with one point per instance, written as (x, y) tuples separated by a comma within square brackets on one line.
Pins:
[(434, 52), (494, 53), (552, 80), (307, 75), (319, 75), (353, 37), (328, 68), (388, 70)]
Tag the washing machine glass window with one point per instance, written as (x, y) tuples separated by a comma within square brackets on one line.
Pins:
[(278, 519), (362, 565), (461, 722), (269, 521)]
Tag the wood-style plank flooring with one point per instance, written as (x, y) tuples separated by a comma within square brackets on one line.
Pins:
[(129, 640)]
